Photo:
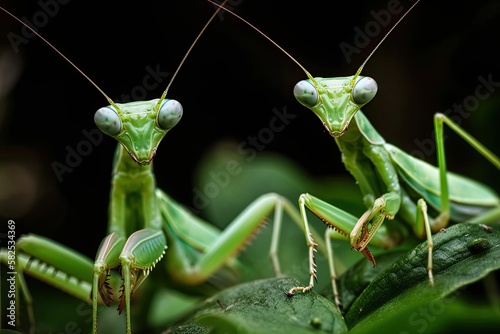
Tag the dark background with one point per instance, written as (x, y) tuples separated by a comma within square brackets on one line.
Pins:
[(228, 87)]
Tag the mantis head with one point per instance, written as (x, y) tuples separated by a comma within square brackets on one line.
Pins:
[(139, 126), (335, 100)]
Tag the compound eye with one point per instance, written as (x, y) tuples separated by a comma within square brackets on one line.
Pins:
[(108, 121), (169, 114), (364, 90), (306, 93)]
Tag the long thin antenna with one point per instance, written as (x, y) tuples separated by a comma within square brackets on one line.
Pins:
[(60, 53), (92, 82), (263, 34), (302, 67), (189, 50), (358, 72)]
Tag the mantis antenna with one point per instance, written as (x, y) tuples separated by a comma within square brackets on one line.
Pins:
[(90, 80), (302, 67), (358, 72), (60, 53), (189, 50)]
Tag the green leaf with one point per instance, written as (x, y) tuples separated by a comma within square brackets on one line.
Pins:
[(355, 280), (263, 307), (463, 253)]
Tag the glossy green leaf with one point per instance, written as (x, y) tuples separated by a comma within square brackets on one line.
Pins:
[(463, 253), (263, 307)]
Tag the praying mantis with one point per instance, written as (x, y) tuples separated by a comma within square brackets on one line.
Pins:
[(173, 133), (145, 224), (391, 181)]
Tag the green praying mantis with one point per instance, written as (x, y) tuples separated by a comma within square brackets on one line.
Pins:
[(393, 183), (86, 286), (146, 227)]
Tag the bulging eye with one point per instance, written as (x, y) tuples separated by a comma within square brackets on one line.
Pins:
[(169, 114), (108, 121), (364, 90), (306, 93)]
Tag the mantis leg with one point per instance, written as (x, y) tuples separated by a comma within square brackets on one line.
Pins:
[(215, 248), (439, 120), (452, 196), (340, 223), (133, 204), (49, 262), (136, 256), (372, 167), (442, 220)]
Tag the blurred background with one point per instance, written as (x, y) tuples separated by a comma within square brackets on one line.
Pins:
[(231, 86)]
